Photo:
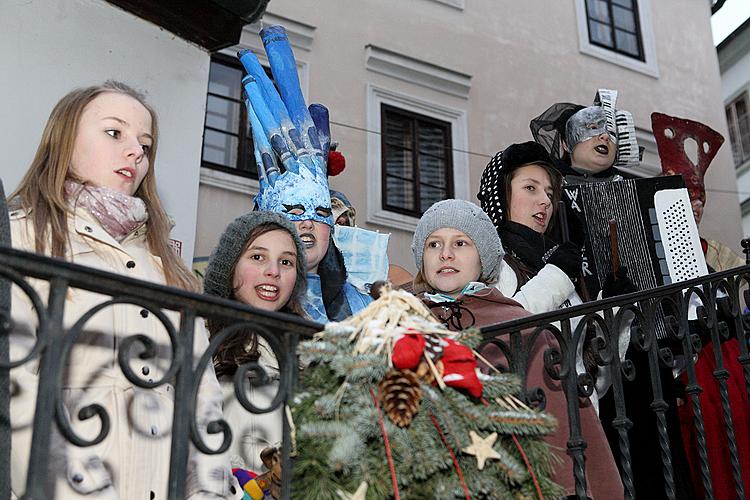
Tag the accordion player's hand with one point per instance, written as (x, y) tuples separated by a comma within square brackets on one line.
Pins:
[(568, 258), (618, 285)]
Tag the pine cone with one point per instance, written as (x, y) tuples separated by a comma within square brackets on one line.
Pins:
[(401, 394)]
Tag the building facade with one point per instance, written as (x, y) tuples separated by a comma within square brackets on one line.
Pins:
[(422, 93), (734, 62)]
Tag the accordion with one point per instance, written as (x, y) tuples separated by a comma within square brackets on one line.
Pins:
[(657, 238)]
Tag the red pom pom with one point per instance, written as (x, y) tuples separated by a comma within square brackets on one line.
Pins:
[(407, 352), (336, 163)]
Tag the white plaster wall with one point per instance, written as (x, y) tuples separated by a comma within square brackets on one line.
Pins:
[(48, 47), (736, 78), (522, 57), (743, 185)]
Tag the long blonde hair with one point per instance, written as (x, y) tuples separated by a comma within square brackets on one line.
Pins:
[(41, 191)]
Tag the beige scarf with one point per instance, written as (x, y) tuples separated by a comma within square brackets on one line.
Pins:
[(118, 213)]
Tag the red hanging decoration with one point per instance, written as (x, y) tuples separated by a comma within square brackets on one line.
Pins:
[(387, 446), (525, 459), (453, 456), (528, 466)]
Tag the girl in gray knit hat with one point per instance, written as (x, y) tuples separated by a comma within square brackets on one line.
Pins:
[(459, 233), (459, 257), (259, 261)]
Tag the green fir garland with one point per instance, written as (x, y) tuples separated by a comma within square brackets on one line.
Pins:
[(339, 441)]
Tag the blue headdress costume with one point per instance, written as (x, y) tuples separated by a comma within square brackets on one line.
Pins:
[(291, 150)]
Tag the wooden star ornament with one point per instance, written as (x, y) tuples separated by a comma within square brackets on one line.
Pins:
[(360, 494), (482, 448)]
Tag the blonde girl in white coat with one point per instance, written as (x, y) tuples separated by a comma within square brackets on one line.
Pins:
[(89, 197)]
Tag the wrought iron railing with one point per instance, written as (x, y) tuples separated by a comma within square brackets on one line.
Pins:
[(636, 311), (54, 342)]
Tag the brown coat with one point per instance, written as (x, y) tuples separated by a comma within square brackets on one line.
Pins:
[(490, 307)]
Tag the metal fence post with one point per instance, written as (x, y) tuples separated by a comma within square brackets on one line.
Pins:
[(4, 357)]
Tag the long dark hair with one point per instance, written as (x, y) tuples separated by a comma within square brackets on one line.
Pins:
[(243, 346), (555, 180)]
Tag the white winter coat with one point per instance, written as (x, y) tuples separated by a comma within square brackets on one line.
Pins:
[(549, 290), (133, 460), (251, 433)]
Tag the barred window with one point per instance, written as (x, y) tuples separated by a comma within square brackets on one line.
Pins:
[(417, 166), (738, 120), (614, 24), (227, 137)]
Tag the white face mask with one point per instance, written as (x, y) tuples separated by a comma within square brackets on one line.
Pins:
[(586, 124)]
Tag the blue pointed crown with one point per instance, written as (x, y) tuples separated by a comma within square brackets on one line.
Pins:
[(287, 135)]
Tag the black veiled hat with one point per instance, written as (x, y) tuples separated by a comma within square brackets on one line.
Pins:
[(548, 129), (496, 175)]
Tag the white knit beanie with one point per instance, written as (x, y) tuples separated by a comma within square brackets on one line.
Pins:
[(468, 218)]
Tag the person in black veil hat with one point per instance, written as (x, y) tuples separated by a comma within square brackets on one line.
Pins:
[(588, 144), (591, 144), (519, 191)]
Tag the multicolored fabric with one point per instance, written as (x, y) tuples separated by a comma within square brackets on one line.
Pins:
[(253, 487), (285, 131)]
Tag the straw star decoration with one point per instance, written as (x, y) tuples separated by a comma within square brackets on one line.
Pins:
[(360, 494), (482, 448)]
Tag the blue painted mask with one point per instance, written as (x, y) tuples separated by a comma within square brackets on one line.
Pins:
[(287, 135)]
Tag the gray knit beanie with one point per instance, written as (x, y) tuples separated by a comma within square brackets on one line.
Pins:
[(218, 278), (469, 219)]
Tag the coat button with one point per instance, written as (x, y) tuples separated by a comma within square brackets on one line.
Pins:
[(154, 430), (77, 478), (130, 264), (145, 370), (88, 229), (144, 313)]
